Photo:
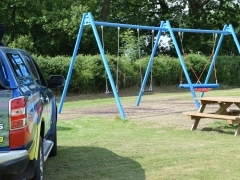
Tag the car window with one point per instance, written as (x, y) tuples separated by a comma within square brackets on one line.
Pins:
[(43, 81), (20, 69), (18, 65), (34, 68), (35, 74), (4, 82)]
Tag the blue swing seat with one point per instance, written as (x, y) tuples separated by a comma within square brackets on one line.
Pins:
[(187, 86)]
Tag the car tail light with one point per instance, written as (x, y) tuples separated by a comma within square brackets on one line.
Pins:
[(18, 113)]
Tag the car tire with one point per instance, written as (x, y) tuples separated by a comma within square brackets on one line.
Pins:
[(54, 148), (39, 170), (53, 151)]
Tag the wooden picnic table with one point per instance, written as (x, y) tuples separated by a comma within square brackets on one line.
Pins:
[(223, 110)]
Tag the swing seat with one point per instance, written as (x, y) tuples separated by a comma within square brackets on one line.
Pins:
[(108, 92), (148, 91), (199, 86), (202, 89)]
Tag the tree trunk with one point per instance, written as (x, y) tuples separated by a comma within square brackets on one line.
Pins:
[(196, 7), (105, 8)]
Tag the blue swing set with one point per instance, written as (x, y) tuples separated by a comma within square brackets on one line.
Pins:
[(87, 20)]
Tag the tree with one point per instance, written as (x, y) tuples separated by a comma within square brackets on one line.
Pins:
[(105, 9), (50, 27)]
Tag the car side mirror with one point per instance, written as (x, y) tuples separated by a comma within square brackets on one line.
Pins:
[(56, 81)]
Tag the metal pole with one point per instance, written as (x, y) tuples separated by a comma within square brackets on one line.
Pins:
[(72, 64), (214, 58), (105, 62), (149, 64), (234, 37), (182, 63)]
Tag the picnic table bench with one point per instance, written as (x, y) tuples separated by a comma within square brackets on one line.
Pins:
[(223, 111)]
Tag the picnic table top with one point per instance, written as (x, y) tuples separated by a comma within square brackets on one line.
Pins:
[(220, 99)]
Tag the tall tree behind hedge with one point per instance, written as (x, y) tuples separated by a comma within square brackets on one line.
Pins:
[(50, 27)]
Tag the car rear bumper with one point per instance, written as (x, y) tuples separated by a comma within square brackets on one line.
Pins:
[(13, 162)]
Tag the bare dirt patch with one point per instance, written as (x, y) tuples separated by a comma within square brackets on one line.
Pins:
[(163, 112)]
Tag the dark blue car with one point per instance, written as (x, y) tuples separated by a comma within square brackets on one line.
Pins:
[(28, 115)]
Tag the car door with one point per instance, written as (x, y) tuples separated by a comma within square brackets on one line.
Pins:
[(45, 93)]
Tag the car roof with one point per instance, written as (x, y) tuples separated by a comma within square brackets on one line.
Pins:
[(10, 50)]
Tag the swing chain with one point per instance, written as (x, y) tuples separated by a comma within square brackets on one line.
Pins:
[(210, 58), (105, 74), (151, 78), (214, 41), (140, 67), (118, 57), (214, 44), (180, 34), (139, 56)]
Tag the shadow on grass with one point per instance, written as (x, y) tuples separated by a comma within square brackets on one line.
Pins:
[(224, 129), (91, 163), (62, 128)]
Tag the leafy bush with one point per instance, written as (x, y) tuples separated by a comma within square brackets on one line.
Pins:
[(228, 68), (89, 74)]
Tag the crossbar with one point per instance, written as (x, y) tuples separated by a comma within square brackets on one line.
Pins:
[(187, 86), (164, 28)]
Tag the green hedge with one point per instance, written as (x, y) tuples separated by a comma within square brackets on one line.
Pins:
[(89, 73), (228, 68)]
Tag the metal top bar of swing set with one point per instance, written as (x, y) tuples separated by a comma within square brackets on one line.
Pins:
[(161, 28)]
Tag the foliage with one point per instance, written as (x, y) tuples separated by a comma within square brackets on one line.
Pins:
[(131, 46), (89, 74), (228, 68), (49, 28), (166, 71), (23, 42)]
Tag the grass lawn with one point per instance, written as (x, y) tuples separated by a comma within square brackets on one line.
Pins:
[(102, 146)]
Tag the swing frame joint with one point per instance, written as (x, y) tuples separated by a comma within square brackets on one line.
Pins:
[(87, 20), (165, 27), (228, 30)]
